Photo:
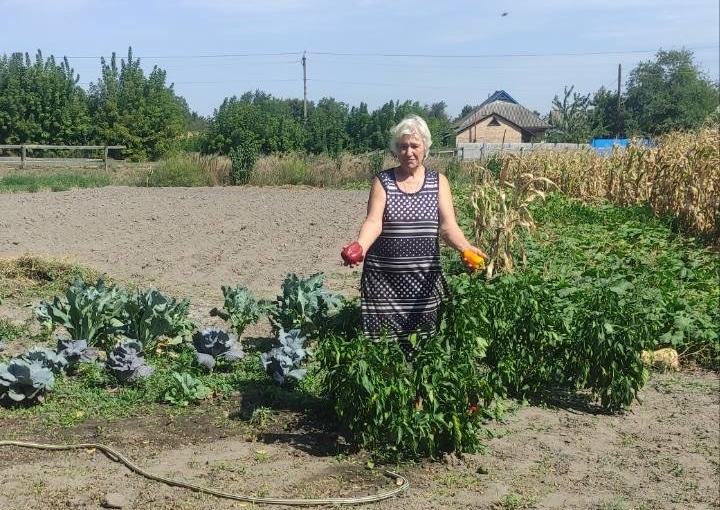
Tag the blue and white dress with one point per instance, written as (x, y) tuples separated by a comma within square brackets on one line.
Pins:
[(402, 285)]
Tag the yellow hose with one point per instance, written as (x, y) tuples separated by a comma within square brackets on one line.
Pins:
[(401, 482)]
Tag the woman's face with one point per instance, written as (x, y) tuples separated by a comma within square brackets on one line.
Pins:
[(411, 152)]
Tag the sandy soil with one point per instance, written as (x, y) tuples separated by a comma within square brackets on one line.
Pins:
[(664, 453)]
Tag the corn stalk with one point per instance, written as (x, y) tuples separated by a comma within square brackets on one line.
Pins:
[(502, 212)]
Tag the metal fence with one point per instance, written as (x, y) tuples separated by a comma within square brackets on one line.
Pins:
[(469, 151)]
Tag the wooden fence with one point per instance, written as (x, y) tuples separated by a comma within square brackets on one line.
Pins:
[(24, 159)]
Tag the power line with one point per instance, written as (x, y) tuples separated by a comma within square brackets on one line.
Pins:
[(492, 55), (220, 55), (394, 55)]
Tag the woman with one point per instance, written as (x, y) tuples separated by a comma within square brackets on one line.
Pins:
[(409, 209)]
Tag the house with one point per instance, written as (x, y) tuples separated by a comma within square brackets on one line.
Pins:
[(500, 119)]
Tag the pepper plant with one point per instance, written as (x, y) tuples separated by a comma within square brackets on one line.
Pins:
[(400, 409)]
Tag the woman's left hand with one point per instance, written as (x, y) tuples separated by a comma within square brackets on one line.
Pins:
[(474, 257)]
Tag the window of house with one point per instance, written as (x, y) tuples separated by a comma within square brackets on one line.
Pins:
[(493, 122)]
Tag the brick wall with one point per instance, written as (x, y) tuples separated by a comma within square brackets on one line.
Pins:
[(483, 132)]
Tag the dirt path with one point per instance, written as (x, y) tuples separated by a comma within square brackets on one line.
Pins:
[(661, 454)]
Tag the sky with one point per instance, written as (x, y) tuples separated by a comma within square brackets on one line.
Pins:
[(370, 51)]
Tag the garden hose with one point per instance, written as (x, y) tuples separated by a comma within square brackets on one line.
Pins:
[(401, 482)]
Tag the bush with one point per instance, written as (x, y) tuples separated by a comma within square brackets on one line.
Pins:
[(180, 170), (243, 160)]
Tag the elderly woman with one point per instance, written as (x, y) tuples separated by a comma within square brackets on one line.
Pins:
[(409, 209)]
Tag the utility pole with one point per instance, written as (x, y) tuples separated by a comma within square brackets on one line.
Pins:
[(618, 99), (304, 64)]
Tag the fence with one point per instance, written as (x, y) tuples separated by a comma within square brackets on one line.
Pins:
[(24, 159), (482, 150)]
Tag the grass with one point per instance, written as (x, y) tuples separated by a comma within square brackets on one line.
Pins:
[(189, 169), (27, 277), (61, 181)]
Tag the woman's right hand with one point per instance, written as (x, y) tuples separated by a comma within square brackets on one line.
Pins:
[(352, 254)]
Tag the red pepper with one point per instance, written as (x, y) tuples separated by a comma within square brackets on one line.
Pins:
[(352, 254)]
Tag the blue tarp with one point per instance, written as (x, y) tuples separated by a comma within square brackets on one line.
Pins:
[(605, 145)]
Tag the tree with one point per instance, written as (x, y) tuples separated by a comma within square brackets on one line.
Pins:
[(668, 94), (326, 127), (41, 102), (439, 123), (358, 128), (606, 120), (570, 119), (466, 110), (256, 121), (142, 113)]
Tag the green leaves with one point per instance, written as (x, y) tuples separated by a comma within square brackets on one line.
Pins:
[(240, 307), (401, 410), (149, 314), (304, 305), (185, 389), (99, 314), (87, 312)]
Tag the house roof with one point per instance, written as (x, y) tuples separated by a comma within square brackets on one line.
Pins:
[(499, 95), (502, 105)]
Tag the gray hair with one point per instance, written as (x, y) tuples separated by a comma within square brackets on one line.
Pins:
[(412, 125)]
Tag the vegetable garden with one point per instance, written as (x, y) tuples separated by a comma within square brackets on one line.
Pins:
[(592, 286)]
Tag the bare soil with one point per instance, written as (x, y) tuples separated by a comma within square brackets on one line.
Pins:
[(663, 453)]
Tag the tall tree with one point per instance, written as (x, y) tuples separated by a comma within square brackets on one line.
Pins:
[(570, 118), (607, 117), (668, 94), (358, 128), (466, 110), (326, 127), (256, 122), (40, 101), (131, 109)]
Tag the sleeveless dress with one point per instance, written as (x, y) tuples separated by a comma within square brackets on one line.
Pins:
[(402, 284)]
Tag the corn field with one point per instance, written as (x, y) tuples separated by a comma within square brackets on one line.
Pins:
[(680, 176)]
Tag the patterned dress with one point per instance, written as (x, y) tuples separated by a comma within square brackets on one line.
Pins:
[(402, 284)]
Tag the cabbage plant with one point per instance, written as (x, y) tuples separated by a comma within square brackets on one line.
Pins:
[(213, 344), (46, 357), (148, 315), (88, 312), (304, 304), (282, 363), (23, 381), (240, 308), (76, 351), (127, 363), (186, 389)]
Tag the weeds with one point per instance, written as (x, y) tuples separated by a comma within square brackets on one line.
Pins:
[(61, 181)]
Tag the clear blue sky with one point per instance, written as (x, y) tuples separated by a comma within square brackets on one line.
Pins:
[(369, 50)]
